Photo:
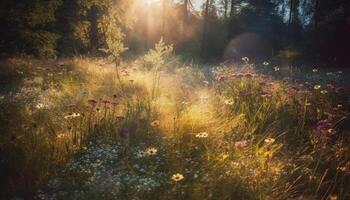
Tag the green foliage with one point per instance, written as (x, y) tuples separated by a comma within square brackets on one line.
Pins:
[(114, 37), (35, 20), (82, 33), (42, 42), (159, 55)]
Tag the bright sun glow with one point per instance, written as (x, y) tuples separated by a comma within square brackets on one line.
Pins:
[(148, 2)]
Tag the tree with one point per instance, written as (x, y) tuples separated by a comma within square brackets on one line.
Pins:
[(225, 5), (205, 24), (28, 26)]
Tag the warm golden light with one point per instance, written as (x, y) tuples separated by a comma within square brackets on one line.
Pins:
[(148, 2)]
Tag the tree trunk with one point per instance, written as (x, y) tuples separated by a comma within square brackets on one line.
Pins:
[(205, 24), (185, 16), (225, 8), (164, 7), (93, 17), (317, 14), (346, 12), (232, 8)]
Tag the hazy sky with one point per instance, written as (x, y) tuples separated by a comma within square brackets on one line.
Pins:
[(196, 3)]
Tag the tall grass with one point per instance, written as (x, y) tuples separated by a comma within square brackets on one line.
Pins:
[(160, 129)]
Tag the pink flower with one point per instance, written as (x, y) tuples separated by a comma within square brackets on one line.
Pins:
[(241, 144), (92, 102)]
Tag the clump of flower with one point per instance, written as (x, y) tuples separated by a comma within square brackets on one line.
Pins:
[(224, 156), (40, 106), (60, 136), (265, 94), (151, 151), (241, 144), (92, 102), (123, 133), (323, 125), (276, 69), (317, 87), (155, 123), (119, 118), (72, 115), (269, 140), (141, 154), (245, 59), (202, 135), (331, 131), (229, 102), (177, 177)]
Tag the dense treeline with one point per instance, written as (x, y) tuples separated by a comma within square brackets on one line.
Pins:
[(316, 30)]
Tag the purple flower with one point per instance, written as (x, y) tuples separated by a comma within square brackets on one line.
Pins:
[(92, 102), (323, 125), (123, 133), (241, 144), (248, 75), (222, 78), (119, 118), (265, 94), (340, 90)]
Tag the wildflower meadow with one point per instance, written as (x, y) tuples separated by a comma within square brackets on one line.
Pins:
[(160, 128)]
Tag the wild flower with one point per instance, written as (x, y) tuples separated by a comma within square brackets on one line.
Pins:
[(331, 131), (269, 140), (224, 156), (202, 135), (276, 69), (248, 75), (151, 151), (60, 136), (155, 123), (308, 104), (39, 106), (104, 101), (340, 90), (323, 125), (72, 115), (317, 87), (240, 75), (324, 91), (92, 102), (266, 63), (222, 78), (265, 94), (123, 133), (119, 118), (141, 154), (184, 103), (241, 144), (314, 70), (229, 102), (177, 177), (245, 59)]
